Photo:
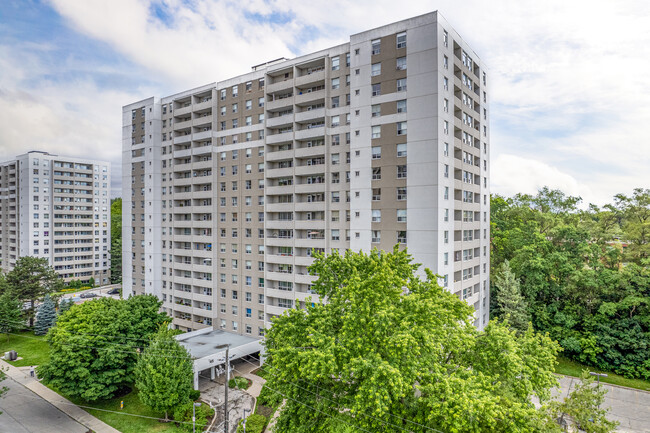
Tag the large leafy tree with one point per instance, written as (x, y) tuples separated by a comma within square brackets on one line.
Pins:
[(10, 314), (30, 280), (116, 241), (46, 316), (94, 346), (579, 285), (164, 373), (635, 212), (389, 351)]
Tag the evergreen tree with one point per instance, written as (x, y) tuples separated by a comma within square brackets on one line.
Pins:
[(46, 317), (509, 299), (10, 314), (65, 304), (164, 373), (30, 279)]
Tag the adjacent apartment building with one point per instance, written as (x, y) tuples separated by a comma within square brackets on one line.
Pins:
[(56, 208), (229, 187)]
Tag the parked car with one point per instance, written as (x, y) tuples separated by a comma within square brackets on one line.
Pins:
[(114, 291), (88, 295)]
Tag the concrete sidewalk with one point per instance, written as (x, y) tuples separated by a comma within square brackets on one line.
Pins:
[(64, 405)]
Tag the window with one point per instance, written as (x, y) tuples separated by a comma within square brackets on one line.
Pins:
[(445, 236), (376, 194), (335, 235), (401, 172), (376, 89), (446, 195), (335, 83), (401, 63), (249, 104), (376, 152), (235, 91), (335, 159), (376, 216), (445, 150), (401, 193), (375, 69), (445, 105), (335, 102), (223, 94), (376, 236), (401, 237), (234, 108), (401, 215), (446, 215), (446, 170), (336, 121), (401, 128), (335, 63), (401, 106), (376, 110), (375, 46), (376, 173), (336, 197), (260, 102), (401, 85), (445, 83), (401, 40), (376, 131), (445, 127), (445, 62), (445, 38), (401, 150)]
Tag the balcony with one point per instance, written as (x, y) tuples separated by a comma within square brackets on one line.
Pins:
[(310, 114)]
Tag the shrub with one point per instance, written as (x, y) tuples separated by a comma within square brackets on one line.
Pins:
[(254, 424), (183, 413), (238, 382), (195, 394)]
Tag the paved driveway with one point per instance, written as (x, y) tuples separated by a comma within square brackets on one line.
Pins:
[(25, 412)]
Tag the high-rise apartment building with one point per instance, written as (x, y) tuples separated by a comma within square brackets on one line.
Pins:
[(228, 188), (57, 208)]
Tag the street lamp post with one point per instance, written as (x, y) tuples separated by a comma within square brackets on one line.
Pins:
[(598, 375), (244, 422), (194, 406), (225, 405)]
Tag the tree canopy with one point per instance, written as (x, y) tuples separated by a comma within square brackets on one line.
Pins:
[(164, 373), (584, 274), (390, 351), (94, 346), (116, 241)]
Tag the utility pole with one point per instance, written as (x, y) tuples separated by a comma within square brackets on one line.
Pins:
[(244, 422), (225, 405)]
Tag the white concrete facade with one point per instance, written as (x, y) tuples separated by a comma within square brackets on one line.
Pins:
[(61, 212), (229, 187)]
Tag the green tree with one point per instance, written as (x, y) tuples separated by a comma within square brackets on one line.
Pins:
[(510, 301), (582, 409), (94, 346), (3, 389), (390, 351), (163, 374), (635, 211), (10, 314), (116, 241), (30, 280), (65, 304), (46, 316)]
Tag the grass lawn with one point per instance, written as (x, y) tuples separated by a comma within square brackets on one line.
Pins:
[(32, 348), (125, 423), (571, 368)]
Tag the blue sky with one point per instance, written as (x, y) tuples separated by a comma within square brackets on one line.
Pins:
[(570, 96)]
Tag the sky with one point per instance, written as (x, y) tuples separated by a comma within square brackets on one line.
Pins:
[(570, 94)]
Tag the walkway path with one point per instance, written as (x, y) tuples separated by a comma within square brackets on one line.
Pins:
[(66, 406)]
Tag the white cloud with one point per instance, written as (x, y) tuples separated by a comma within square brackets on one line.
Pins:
[(567, 79)]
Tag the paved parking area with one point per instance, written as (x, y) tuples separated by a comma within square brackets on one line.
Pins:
[(25, 412)]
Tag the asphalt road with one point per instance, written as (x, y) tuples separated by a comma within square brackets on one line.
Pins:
[(25, 412)]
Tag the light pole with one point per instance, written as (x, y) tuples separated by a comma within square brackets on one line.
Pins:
[(598, 375), (244, 422), (194, 406), (225, 404)]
